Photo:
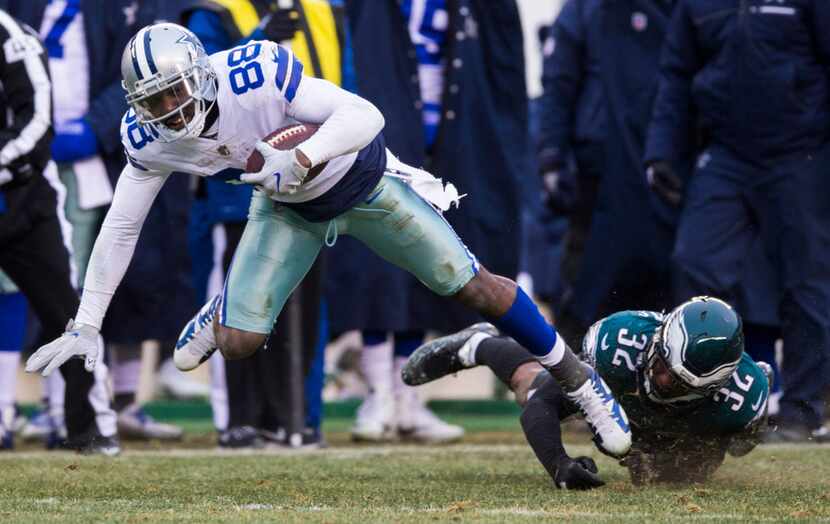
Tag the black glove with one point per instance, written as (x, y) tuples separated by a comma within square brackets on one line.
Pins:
[(560, 190), (281, 25), (579, 473), (22, 172), (664, 181)]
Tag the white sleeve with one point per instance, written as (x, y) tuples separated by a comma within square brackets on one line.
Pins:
[(349, 123), (114, 247)]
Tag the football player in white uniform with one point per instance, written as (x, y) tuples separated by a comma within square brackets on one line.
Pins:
[(204, 115)]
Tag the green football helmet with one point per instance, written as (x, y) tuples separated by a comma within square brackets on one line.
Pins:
[(699, 344)]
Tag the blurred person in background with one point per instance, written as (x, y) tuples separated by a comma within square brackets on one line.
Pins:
[(754, 76), (250, 406), (13, 327), (451, 83), (35, 241), (156, 296), (84, 41), (600, 80)]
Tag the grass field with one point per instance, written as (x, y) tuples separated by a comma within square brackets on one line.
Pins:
[(490, 477)]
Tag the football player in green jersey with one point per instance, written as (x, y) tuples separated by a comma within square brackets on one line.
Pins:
[(690, 391)]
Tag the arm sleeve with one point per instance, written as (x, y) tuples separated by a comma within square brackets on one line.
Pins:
[(540, 421), (669, 134), (561, 79), (114, 247), (349, 122), (27, 90)]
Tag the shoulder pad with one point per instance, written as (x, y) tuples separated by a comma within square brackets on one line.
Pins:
[(614, 346), (135, 138), (743, 399)]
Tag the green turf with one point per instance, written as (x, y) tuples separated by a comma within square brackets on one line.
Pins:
[(491, 477)]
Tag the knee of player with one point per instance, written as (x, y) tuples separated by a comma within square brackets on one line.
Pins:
[(522, 380), (477, 290), (235, 344)]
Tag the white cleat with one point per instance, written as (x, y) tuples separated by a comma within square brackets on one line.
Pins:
[(179, 385), (604, 415), (134, 423), (422, 425), (197, 342), (374, 421)]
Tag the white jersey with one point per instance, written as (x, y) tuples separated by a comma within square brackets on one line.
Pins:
[(260, 89), (254, 97)]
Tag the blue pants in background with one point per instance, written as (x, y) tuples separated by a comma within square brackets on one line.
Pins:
[(730, 202)]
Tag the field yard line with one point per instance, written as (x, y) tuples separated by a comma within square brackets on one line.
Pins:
[(349, 452), (337, 453), (535, 513)]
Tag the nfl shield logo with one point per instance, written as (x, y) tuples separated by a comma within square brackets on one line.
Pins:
[(639, 21)]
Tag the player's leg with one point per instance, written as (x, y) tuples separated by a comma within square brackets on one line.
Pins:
[(39, 266), (795, 225), (715, 231), (12, 327), (543, 401), (276, 251), (415, 420), (375, 417), (404, 229)]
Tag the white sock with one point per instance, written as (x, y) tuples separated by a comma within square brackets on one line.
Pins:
[(219, 392), (467, 353), (556, 353), (126, 368), (376, 366), (9, 364), (55, 389), (407, 400)]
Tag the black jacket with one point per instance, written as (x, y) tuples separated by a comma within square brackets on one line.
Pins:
[(482, 146), (755, 72)]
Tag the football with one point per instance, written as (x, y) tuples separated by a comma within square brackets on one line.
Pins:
[(284, 138)]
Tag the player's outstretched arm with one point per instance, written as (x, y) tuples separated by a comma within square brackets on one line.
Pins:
[(541, 426), (113, 250)]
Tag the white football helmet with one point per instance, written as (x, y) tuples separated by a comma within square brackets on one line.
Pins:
[(169, 81)]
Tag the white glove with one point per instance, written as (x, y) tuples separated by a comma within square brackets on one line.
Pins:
[(78, 339), (280, 174)]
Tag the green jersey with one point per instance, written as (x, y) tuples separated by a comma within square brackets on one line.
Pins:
[(616, 347)]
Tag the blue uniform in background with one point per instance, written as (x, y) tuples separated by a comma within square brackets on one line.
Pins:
[(480, 146), (754, 76), (600, 79)]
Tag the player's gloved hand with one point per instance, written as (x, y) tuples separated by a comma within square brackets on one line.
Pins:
[(281, 25), (73, 141), (78, 340), (578, 473), (280, 174), (560, 190), (664, 181), (17, 173)]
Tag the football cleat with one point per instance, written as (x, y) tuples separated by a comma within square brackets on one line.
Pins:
[(197, 342), (134, 423), (422, 425), (444, 355), (100, 445), (375, 419), (241, 437), (604, 415), (179, 385)]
